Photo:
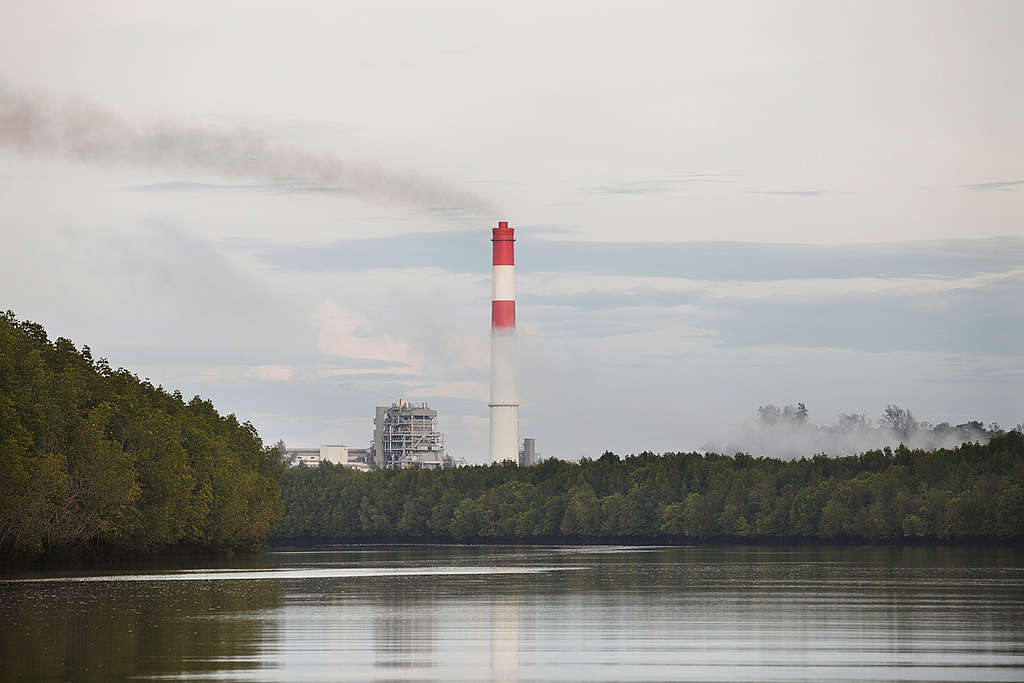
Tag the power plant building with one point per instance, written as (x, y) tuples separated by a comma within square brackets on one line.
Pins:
[(528, 453), (335, 454), (406, 435)]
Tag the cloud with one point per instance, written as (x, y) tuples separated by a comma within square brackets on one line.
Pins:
[(792, 193), (976, 314), (608, 299), (300, 356), (584, 291), (1005, 185), (399, 372), (982, 317), (345, 332), (263, 373), (155, 287), (468, 251), (660, 185), (274, 373)]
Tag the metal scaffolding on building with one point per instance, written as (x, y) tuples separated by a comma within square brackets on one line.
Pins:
[(406, 435)]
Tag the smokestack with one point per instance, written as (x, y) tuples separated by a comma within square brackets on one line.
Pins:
[(504, 408)]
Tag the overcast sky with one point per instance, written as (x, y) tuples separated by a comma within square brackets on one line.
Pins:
[(285, 208)]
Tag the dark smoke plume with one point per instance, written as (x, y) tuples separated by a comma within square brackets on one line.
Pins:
[(34, 125)]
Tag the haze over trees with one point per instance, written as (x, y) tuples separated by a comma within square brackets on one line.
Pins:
[(974, 491), (95, 457), (788, 432)]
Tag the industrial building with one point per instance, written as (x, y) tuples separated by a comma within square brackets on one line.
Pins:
[(406, 435), (528, 453), (336, 454)]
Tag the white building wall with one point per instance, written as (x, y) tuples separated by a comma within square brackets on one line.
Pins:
[(335, 454)]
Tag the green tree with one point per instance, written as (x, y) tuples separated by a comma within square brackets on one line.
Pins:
[(582, 512), (92, 456)]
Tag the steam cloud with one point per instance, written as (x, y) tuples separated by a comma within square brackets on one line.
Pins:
[(34, 125), (787, 434)]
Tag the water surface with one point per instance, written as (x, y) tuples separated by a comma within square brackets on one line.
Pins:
[(529, 613)]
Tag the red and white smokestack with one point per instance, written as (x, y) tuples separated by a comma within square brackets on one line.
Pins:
[(503, 404)]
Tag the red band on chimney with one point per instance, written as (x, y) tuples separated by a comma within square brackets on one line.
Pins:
[(503, 315), (504, 245)]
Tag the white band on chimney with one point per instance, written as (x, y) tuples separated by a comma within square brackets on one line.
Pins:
[(504, 283)]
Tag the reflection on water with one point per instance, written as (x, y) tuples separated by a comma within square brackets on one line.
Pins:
[(308, 573), (466, 613), (63, 631), (504, 638)]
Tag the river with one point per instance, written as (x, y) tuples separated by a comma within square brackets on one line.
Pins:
[(443, 613)]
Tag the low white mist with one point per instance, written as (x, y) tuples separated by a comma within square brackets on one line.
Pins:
[(788, 434)]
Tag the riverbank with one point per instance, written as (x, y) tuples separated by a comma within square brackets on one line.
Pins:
[(564, 542)]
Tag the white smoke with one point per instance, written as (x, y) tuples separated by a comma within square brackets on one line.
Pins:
[(34, 125), (788, 434)]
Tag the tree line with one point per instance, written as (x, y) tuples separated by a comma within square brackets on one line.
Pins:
[(974, 491), (94, 457)]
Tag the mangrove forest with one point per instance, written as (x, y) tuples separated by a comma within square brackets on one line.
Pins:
[(972, 492), (95, 458)]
